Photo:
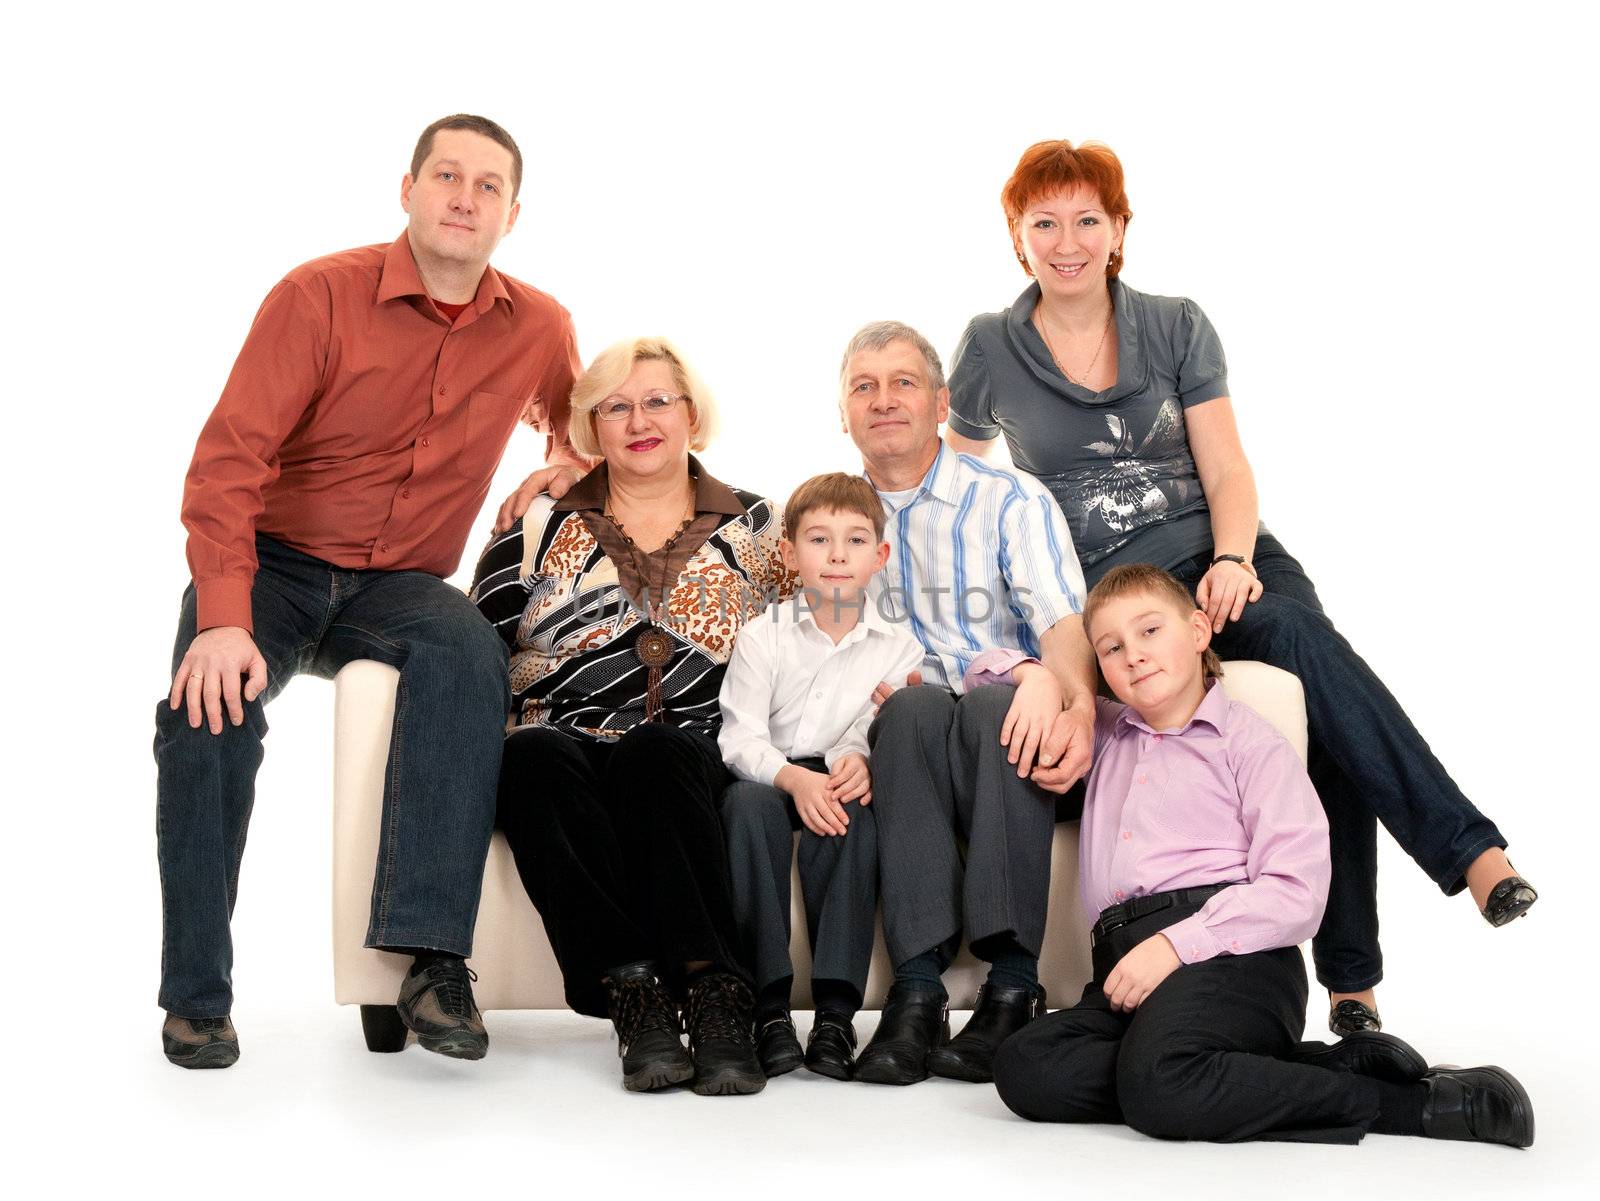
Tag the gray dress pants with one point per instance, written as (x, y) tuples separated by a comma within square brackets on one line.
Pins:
[(838, 883), (939, 775)]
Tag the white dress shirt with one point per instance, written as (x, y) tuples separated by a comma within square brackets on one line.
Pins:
[(790, 692)]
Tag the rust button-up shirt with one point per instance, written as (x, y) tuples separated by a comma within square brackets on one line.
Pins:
[(362, 427)]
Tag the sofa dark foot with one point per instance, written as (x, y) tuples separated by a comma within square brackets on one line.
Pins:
[(385, 1032)]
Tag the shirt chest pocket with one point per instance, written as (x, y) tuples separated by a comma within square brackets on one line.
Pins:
[(1200, 801), (486, 426)]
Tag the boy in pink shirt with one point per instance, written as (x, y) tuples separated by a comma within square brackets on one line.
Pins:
[(1203, 865)]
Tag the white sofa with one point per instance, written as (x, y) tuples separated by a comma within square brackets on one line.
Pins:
[(516, 969)]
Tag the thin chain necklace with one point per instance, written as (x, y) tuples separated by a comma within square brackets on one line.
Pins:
[(1044, 328)]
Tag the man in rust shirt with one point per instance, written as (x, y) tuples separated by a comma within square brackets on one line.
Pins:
[(333, 487)]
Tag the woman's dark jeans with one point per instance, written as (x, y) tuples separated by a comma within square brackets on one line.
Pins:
[(621, 850), (1367, 760)]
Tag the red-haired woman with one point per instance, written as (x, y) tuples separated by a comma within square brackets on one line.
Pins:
[(1118, 402)]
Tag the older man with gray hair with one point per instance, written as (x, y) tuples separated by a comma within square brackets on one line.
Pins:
[(982, 568)]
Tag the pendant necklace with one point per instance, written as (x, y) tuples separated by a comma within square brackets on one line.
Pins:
[(653, 646)]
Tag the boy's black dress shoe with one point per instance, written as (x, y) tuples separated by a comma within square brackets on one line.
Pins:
[(719, 1014), (1480, 1105), (1509, 900), (1001, 1011), (199, 1042), (1352, 1017), (777, 1044), (1366, 1053), (649, 1034), (914, 1022), (831, 1046)]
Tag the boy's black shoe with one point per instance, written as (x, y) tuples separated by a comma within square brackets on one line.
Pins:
[(831, 1046), (1366, 1053), (1480, 1105), (199, 1042), (649, 1034), (777, 1044), (914, 1022), (719, 1016), (1001, 1011), (436, 1003)]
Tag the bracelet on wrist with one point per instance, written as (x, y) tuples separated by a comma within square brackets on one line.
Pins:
[(1239, 559)]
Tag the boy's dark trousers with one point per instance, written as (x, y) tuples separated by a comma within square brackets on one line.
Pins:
[(1204, 1057), (838, 883)]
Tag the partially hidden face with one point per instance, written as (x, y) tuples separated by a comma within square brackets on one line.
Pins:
[(643, 444), (1149, 651), (460, 203), (1067, 239), (835, 553), (889, 407)]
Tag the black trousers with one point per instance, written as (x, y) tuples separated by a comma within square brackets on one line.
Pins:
[(621, 850), (1204, 1057)]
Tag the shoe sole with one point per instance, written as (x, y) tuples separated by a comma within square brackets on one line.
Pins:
[(831, 1071), (462, 1045), (869, 1073), (950, 1068), (1339, 1057), (211, 1055), (729, 1084), (782, 1067), (650, 1079)]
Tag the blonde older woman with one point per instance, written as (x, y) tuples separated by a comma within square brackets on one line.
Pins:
[(620, 602)]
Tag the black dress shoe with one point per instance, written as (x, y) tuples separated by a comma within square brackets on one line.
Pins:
[(1480, 1105), (1366, 1053), (719, 1014), (1509, 900), (777, 1044), (1352, 1017), (649, 1034), (1001, 1011), (831, 1046), (914, 1022)]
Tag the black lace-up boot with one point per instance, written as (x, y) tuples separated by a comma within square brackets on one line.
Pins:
[(720, 1013), (649, 1035)]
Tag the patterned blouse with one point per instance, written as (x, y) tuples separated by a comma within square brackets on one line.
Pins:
[(567, 594)]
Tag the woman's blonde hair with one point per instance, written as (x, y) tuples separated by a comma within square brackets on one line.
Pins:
[(610, 370)]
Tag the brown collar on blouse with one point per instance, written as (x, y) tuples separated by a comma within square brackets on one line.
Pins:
[(645, 576)]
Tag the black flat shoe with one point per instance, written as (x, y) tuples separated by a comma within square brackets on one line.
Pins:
[(1001, 1011), (777, 1045), (1352, 1017), (1509, 900), (1479, 1105), (1366, 1053), (831, 1046), (914, 1022)]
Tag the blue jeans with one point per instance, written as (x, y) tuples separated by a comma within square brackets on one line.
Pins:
[(439, 788), (1367, 760)]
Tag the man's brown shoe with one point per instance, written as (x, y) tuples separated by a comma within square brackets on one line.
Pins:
[(436, 1003), (199, 1042)]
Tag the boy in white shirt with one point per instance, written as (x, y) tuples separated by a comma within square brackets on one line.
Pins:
[(796, 704)]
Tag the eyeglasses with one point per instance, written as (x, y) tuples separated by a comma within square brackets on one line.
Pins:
[(653, 404)]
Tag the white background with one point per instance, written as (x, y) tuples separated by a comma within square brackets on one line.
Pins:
[(1386, 211)]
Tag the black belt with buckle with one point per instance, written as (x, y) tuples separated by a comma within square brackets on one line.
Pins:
[(1110, 939)]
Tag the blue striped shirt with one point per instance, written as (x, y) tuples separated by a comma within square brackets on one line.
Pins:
[(980, 557)]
